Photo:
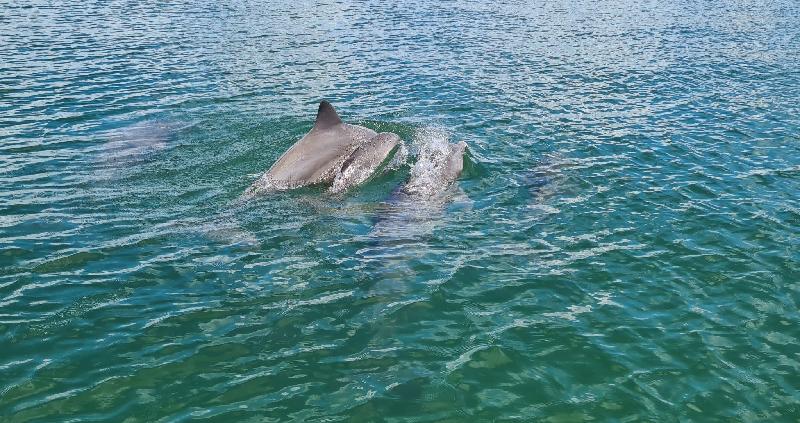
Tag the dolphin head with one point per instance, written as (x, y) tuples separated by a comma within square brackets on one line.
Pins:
[(438, 166), (455, 161)]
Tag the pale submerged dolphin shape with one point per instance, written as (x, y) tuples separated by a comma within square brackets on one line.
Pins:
[(416, 207), (333, 152)]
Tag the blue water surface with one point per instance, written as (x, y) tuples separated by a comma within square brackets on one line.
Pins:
[(622, 246)]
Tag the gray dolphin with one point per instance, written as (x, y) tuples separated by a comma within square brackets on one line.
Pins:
[(438, 166), (333, 151), (415, 208)]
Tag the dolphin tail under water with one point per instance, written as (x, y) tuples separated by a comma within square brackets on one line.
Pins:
[(331, 150)]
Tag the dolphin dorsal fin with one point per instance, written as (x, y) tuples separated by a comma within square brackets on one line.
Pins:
[(326, 116)]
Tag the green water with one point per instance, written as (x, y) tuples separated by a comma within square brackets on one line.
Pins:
[(623, 245)]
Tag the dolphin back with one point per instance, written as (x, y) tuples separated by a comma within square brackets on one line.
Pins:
[(315, 158)]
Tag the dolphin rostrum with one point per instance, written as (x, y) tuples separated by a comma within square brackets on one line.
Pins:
[(332, 152)]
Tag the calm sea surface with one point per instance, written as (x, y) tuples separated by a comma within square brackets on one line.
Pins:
[(624, 244)]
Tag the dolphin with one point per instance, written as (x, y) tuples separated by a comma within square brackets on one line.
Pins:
[(414, 208), (437, 167), (332, 152)]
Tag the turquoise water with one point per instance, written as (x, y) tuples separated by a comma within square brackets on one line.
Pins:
[(623, 245)]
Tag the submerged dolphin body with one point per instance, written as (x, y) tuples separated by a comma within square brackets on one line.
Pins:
[(332, 152), (416, 207)]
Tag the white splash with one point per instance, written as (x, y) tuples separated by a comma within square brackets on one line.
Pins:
[(431, 174)]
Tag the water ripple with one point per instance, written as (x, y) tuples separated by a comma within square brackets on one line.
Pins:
[(621, 246)]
